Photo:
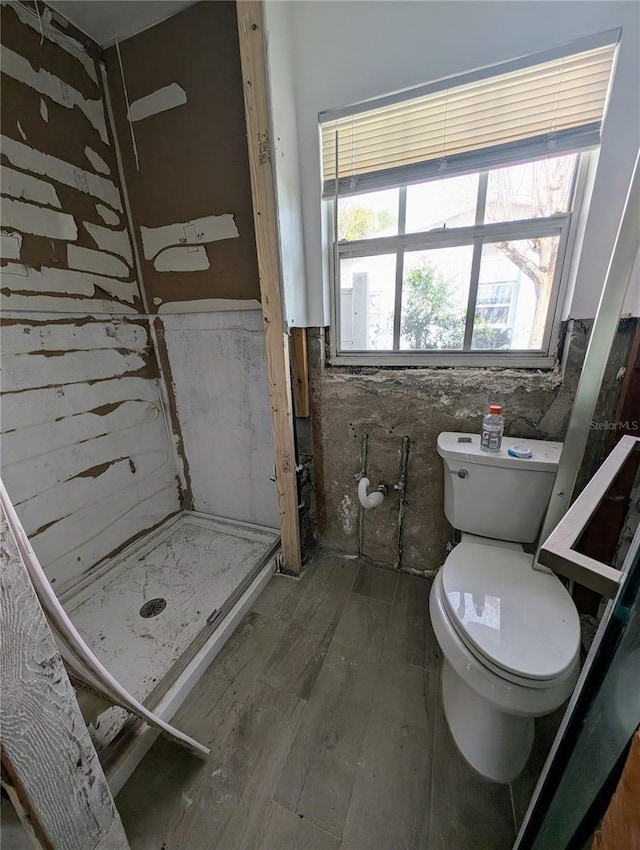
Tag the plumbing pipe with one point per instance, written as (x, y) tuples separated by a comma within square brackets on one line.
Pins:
[(369, 500), (364, 451), (401, 487)]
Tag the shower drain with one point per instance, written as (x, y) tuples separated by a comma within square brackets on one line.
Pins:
[(153, 607)]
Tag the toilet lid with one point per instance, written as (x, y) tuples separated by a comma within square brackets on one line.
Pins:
[(520, 619)]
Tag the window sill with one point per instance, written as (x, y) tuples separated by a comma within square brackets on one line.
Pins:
[(441, 383), (374, 360)]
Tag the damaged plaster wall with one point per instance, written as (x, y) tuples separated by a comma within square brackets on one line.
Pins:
[(86, 456), (420, 403), (185, 156), (186, 165)]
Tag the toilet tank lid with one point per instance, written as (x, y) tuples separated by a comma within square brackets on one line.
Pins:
[(544, 453)]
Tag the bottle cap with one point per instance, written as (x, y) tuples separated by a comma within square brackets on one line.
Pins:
[(519, 451), (495, 408)]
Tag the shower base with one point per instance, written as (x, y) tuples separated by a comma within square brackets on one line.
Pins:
[(159, 610)]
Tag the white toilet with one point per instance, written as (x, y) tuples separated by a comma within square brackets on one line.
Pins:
[(509, 634)]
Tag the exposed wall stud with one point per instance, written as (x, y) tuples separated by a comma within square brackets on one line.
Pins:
[(254, 79), (300, 372)]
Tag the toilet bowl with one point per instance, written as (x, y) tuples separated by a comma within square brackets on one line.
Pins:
[(509, 634), (490, 709)]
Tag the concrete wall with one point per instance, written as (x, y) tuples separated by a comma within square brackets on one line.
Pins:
[(388, 405), (346, 52), (85, 449)]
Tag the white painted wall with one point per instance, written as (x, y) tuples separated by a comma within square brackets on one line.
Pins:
[(86, 457), (280, 47), (344, 52), (219, 377)]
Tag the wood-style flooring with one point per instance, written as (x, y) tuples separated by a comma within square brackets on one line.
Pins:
[(326, 729)]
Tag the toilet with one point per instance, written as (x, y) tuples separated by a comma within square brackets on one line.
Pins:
[(509, 634)]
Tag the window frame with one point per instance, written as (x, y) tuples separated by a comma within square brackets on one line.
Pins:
[(564, 225)]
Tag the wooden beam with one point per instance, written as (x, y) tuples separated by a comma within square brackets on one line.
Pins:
[(256, 106), (300, 372), (49, 765)]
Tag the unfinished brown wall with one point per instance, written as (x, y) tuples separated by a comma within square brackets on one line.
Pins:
[(86, 456), (192, 161), (418, 403)]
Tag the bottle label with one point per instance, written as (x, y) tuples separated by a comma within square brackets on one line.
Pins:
[(491, 440)]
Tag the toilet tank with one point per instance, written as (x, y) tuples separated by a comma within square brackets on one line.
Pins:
[(493, 494)]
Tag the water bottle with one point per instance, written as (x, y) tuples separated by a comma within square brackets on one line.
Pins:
[(492, 428)]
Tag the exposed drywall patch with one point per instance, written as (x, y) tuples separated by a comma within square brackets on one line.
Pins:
[(182, 259), (88, 260), (47, 508), (17, 184), (45, 473), (40, 221), (19, 302), (107, 526), (161, 100), (10, 245), (42, 81), (70, 336), (37, 407), (29, 159), (207, 305), (96, 160), (114, 241), (210, 228), (107, 215), (80, 393), (33, 370), (66, 282), (43, 25), (21, 131), (44, 111), (13, 270)]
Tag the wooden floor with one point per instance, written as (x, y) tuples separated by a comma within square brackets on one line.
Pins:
[(326, 730)]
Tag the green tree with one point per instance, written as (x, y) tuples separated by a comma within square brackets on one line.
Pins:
[(431, 319), (363, 222)]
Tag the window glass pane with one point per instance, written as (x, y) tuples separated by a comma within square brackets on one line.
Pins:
[(442, 202), (366, 216), (367, 299), (514, 288), (531, 190), (435, 292)]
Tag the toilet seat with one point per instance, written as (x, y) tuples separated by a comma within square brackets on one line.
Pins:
[(518, 622)]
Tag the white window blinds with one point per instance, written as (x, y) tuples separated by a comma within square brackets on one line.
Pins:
[(525, 109)]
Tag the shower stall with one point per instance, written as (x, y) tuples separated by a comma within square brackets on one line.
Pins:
[(136, 434)]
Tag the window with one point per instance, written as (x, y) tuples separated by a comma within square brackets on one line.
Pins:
[(452, 207)]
